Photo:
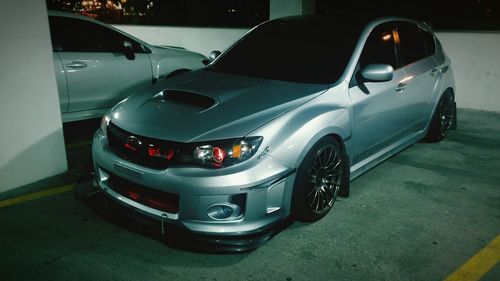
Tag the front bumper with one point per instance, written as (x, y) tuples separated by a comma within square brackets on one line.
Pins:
[(262, 183)]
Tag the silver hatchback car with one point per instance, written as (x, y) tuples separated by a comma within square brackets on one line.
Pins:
[(276, 126)]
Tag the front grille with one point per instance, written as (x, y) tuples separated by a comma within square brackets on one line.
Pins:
[(148, 152), (156, 199)]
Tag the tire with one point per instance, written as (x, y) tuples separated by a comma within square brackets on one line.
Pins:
[(444, 118), (320, 177)]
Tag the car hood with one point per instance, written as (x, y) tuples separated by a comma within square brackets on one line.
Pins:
[(203, 105)]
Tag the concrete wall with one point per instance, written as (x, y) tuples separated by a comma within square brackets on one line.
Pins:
[(31, 139), (283, 8), (476, 64), (199, 39), (476, 61)]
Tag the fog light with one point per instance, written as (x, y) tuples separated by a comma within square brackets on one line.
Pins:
[(224, 211)]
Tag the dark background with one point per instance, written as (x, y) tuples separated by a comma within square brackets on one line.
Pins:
[(440, 14), (227, 13)]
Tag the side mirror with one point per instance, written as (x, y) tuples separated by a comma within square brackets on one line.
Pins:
[(128, 50), (211, 57), (377, 72)]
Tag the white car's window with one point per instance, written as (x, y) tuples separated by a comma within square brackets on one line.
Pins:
[(309, 51), (380, 47), (412, 47), (429, 41), (74, 35)]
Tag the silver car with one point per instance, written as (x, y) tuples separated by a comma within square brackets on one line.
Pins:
[(276, 126), (98, 65)]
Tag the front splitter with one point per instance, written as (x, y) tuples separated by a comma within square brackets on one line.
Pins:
[(173, 235)]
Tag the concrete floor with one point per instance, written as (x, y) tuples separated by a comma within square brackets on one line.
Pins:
[(418, 216)]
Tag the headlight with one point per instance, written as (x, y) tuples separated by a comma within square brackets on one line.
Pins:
[(104, 124), (219, 154)]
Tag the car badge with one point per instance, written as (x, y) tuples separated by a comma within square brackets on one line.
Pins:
[(133, 143)]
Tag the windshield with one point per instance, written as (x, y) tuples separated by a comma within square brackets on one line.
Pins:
[(292, 49)]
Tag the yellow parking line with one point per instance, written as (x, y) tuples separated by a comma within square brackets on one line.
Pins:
[(479, 264), (35, 195), (73, 145)]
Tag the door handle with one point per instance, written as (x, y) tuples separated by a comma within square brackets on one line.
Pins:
[(435, 72), (401, 87), (76, 64)]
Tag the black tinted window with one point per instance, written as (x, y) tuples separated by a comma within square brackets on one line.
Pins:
[(309, 51), (412, 47), (429, 42), (73, 35), (380, 47)]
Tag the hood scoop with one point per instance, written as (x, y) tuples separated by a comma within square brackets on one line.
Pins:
[(201, 102)]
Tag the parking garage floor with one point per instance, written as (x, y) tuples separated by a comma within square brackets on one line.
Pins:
[(432, 212)]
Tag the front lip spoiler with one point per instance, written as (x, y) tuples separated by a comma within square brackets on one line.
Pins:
[(173, 235), (183, 239)]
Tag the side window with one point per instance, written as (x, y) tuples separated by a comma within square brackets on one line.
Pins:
[(412, 47), (429, 42), (380, 47), (74, 35)]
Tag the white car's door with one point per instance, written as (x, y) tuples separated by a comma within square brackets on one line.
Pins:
[(62, 84), (416, 48), (99, 80), (97, 69), (378, 108)]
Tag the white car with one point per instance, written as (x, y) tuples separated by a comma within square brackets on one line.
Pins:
[(98, 65)]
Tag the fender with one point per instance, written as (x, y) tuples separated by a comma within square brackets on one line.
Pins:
[(448, 82), (293, 134), (324, 115), (162, 66)]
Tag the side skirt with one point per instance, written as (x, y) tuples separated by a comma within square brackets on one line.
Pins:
[(377, 158)]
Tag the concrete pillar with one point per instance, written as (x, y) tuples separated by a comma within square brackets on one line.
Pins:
[(283, 8), (31, 138)]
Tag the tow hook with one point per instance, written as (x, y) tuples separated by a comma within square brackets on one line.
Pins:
[(163, 224)]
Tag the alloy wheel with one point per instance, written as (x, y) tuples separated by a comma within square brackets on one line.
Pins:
[(446, 115), (325, 178)]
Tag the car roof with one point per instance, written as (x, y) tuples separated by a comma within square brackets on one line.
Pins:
[(357, 21)]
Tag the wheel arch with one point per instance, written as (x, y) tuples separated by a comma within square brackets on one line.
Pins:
[(163, 64), (451, 90), (333, 132)]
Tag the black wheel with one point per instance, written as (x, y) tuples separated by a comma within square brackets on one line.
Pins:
[(320, 177), (443, 119)]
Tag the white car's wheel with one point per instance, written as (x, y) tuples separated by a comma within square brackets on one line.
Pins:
[(319, 179)]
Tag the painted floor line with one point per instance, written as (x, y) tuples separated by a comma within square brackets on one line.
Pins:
[(78, 144), (479, 264), (36, 195)]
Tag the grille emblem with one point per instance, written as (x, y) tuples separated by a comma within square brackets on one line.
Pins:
[(133, 143)]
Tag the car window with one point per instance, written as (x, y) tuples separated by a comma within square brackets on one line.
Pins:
[(306, 51), (380, 47), (74, 35), (429, 41), (412, 47)]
